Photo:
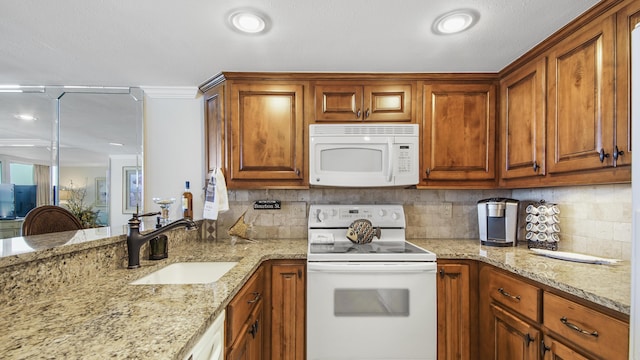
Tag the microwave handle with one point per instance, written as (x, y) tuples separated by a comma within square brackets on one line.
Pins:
[(390, 162)]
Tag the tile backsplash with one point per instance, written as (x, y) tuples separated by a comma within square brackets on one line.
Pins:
[(594, 219)]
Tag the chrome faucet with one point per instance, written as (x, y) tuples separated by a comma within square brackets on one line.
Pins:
[(135, 240)]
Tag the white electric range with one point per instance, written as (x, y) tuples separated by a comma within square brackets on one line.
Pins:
[(366, 301)]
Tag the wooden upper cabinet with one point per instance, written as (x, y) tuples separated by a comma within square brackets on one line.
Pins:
[(581, 99), (214, 128), (523, 122), (627, 19), (348, 101), (267, 134), (459, 132)]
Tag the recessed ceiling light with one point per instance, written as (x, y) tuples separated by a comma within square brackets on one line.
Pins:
[(455, 21), (25, 117), (248, 22)]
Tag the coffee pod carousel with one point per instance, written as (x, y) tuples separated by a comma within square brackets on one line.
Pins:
[(542, 225)]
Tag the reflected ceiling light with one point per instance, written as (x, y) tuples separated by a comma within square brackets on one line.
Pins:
[(115, 144), (248, 22), (21, 89), (455, 21), (25, 117)]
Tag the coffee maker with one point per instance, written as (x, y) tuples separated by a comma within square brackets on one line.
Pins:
[(498, 221)]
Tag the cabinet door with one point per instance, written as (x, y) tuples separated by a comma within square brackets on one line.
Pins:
[(522, 130), (214, 128), (555, 350), (359, 102), (514, 338), (338, 102), (267, 131), (454, 308), (459, 132), (580, 120), (248, 345), (387, 103), (288, 311), (627, 19)]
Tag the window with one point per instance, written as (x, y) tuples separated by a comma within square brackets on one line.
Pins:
[(21, 174)]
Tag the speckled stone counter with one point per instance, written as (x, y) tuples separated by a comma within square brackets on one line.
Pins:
[(106, 317)]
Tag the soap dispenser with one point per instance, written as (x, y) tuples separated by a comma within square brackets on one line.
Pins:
[(158, 247)]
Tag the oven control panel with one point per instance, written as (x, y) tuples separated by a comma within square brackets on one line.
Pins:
[(328, 216)]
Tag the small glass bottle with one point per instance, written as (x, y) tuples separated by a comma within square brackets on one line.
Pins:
[(187, 202)]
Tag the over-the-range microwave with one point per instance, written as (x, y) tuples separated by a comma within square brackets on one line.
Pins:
[(363, 155)]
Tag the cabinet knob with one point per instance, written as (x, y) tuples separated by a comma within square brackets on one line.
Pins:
[(603, 155), (617, 153), (543, 348), (535, 166), (529, 339), (358, 114), (367, 113)]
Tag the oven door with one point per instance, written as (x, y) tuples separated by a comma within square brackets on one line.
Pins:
[(370, 310)]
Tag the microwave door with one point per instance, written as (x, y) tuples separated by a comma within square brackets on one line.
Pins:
[(346, 163)]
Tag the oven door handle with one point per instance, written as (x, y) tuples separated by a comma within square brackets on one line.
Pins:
[(359, 267)]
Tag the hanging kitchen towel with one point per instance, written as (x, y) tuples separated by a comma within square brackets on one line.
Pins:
[(221, 191), (216, 198)]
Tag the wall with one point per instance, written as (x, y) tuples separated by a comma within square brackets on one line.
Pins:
[(173, 147), (118, 217), (85, 177)]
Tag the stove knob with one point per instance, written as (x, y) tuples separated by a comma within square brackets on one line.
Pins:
[(321, 216), (382, 212), (395, 216)]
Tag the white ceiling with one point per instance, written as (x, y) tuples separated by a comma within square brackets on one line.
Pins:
[(183, 43)]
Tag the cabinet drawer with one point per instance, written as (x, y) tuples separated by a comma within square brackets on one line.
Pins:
[(515, 294), (240, 308), (592, 330)]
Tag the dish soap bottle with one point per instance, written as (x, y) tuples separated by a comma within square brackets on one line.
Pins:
[(187, 202)]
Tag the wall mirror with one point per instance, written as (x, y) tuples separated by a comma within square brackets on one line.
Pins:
[(77, 147)]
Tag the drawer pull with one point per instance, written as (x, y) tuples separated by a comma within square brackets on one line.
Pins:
[(577, 328), (506, 294), (256, 297)]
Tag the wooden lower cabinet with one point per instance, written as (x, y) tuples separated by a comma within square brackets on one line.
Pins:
[(553, 349), (245, 325), (513, 337), (522, 319), (248, 345), (457, 310), (288, 310)]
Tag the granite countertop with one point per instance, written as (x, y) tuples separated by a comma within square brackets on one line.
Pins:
[(109, 318)]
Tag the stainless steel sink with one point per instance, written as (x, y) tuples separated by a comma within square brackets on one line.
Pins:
[(187, 273)]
